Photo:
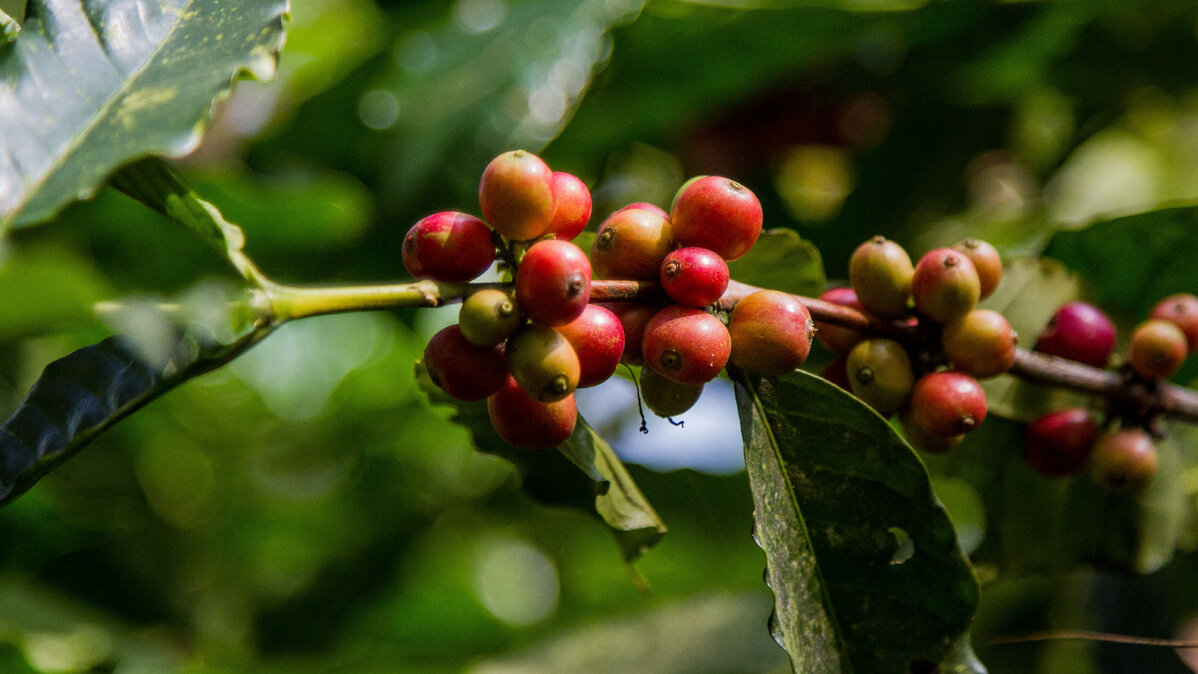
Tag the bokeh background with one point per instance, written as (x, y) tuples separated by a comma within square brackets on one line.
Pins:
[(307, 510)]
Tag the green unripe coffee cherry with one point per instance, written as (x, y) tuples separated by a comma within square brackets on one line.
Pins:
[(1157, 349), (1124, 461), (981, 343), (667, 398), (488, 317), (880, 374), (543, 363), (880, 271)]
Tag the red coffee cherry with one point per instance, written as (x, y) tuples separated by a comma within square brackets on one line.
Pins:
[(879, 372), (667, 398), (527, 423), (543, 363), (718, 214), (516, 195), (921, 439), (837, 371), (689, 181), (598, 339), (633, 318), (572, 206), (880, 271), (631, 245), (840, 340), (945, 285), (694, 277), (981, 343), (488, 317), (645, 206), (461, 369), (948, 403), (1124, 461), (1059, 443), (1079, 331), (686, 345), (553, 283), (771, 333), (448, 246), (986, 261), (1181, 310), (1157, 349)]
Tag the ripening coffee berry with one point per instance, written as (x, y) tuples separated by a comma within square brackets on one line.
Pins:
[(718, 214), (1157, 349), (771, 333), (448, 246), (461, 369), (553, 283), (631, 245), (571, 206), (840, 340), (945, 285), (488, 317), (527, 423), (917, 437), (948, 403), (1124, 461), (837, 371), (689, 181), (516, 195), (633, 318), (1181, 310), (1079, 331), (981, 343), (694, 277), (880, 271), (543, 363), (686, 345), (1059, 443), (645, 206), (598, 339), (667, 398), (879, 372), (986, 261)]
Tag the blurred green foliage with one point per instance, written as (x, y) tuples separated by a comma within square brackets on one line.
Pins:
[(307, 510)]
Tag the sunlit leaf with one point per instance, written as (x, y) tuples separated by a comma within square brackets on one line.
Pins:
[(87, 85), (863, 561), (781, 260), (585, 473)]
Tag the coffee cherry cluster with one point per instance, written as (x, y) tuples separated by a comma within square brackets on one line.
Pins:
[(1068, 441), (683, 345), (526, 352), (930, 381)]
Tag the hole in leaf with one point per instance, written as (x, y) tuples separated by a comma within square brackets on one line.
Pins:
[(906, 547)]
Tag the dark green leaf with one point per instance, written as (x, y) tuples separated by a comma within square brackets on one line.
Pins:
[(86, 86), (862, 558), (782, 260), (585, 473), (82, 394), (1134, 261)]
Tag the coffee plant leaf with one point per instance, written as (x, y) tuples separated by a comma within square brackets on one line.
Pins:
[(82, 394), (584, 473), (781, 260), (862, 558), (86, 86)]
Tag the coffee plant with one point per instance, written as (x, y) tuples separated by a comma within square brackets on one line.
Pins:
[(352, 368)]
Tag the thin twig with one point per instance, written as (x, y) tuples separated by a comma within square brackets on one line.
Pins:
[(1086, 635)]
